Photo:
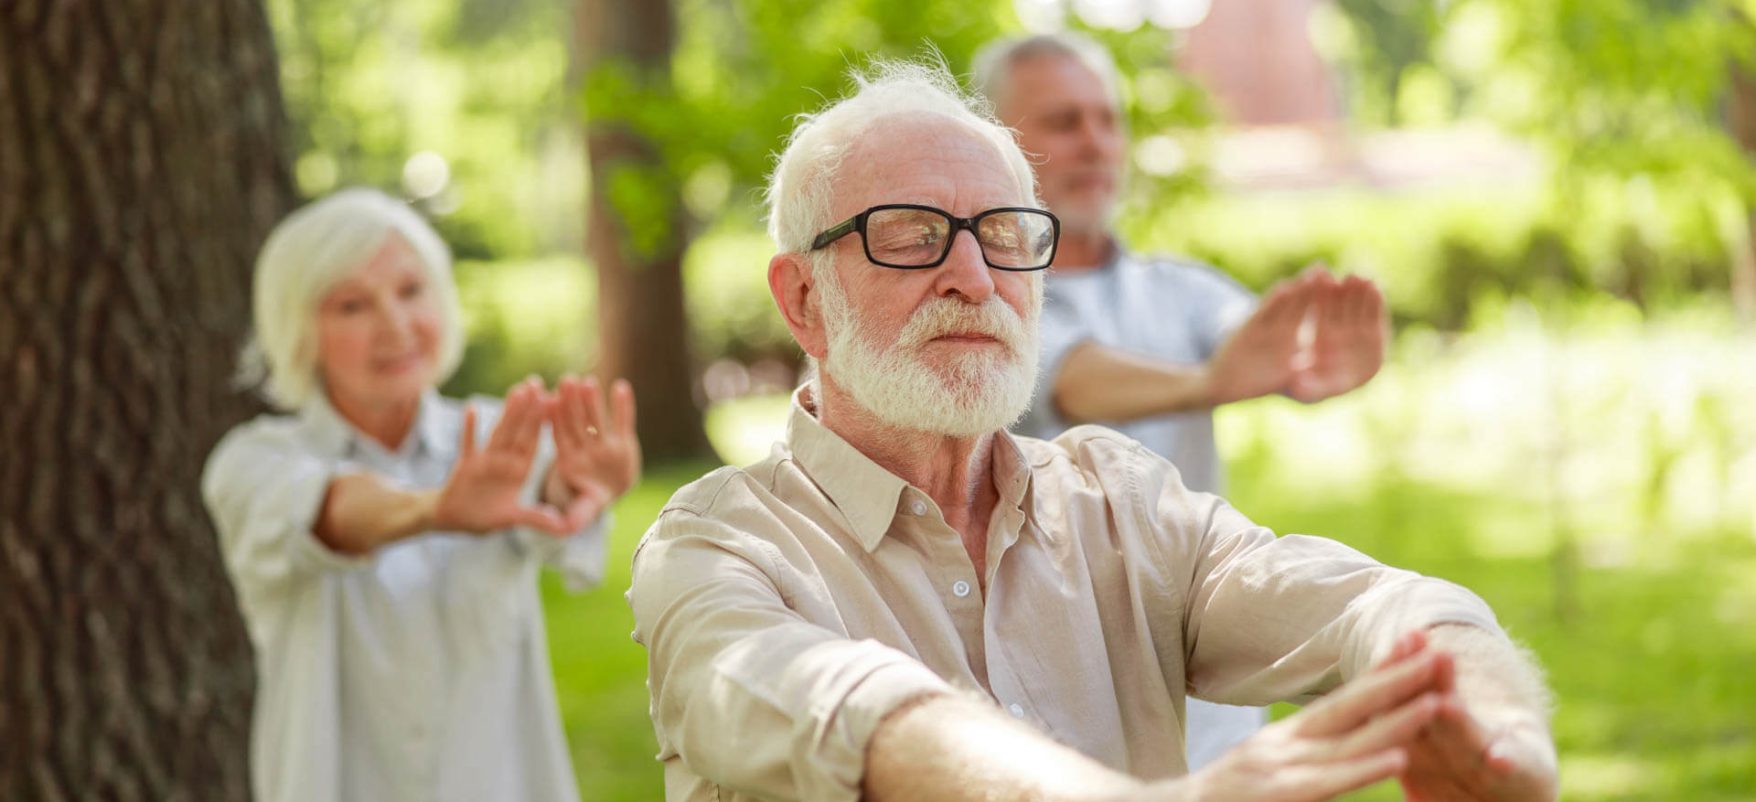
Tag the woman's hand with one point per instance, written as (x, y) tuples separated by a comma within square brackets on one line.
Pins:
[(597, 455), (482, 493)]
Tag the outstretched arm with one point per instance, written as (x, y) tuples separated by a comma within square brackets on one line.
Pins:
[(362, 512), (1100, 383), (949, 748)]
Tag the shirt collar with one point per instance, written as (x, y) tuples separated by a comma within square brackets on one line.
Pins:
[(864, 492), (434, 430), (868, 495)]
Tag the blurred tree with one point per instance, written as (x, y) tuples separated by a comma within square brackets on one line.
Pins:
[(635, 234), (141, 163)]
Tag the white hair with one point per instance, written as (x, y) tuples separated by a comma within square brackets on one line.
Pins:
[(801, 188), (305, 256), (994, 62)]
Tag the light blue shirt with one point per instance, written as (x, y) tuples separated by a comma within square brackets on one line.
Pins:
[(418, 672), (1161, 308)]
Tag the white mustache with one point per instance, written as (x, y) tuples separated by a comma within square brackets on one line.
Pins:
[(941, 316)]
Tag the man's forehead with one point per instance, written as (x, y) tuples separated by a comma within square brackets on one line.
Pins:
[(1056, 79), (930, 160)]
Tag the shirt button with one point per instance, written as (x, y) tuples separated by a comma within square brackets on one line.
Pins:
[(960, 588), (1015, 710), (918, 507)]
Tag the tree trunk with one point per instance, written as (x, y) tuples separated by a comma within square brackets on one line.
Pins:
[(643, 331), (141, 163)]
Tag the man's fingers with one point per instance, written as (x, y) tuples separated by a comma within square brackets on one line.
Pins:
[(1376, 692), (1337, 304), (1329, 780), (1458, 734), (1391, 730), (1409, 644)]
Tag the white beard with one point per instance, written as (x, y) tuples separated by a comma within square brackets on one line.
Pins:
[(980, 391)]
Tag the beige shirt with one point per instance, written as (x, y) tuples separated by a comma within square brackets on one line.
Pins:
[(788, 606)]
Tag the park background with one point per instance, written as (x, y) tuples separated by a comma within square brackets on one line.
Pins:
[(1555, 195)]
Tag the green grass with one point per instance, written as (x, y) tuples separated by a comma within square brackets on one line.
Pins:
[(1653, 663), (1652, 656), (600, 672)]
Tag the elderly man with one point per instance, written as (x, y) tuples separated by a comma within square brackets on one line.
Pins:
[(1149, 345), (904, 602)]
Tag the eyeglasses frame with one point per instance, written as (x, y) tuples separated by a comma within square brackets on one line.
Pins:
[(858, 223)]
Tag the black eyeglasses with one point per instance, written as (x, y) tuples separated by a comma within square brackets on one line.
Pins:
[(911, 237)]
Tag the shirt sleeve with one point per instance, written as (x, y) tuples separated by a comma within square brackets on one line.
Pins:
[(1269, 618), (746, 692), (264, 493)]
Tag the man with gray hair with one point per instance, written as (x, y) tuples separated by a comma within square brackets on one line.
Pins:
[(904, 602), (1149, 345)]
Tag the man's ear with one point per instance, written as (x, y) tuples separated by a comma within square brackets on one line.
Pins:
[(794, 288)]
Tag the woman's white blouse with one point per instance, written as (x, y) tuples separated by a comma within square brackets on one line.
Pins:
[(419, 672)]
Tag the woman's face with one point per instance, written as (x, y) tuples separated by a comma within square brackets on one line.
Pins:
[(378, 331)]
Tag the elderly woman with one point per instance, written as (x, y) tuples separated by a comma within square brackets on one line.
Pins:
[(384, 540)]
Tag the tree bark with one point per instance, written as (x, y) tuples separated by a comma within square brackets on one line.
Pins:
[(141, 164), (643, 330)]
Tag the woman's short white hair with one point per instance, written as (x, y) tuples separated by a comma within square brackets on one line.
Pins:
[(993, 63), (801, 188), (305, 256)]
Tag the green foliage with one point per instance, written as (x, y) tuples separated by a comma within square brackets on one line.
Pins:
[(1444, 258), (1614, 89), (744, 69), (369, 85)]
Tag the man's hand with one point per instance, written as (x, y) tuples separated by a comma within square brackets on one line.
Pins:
[(1349, 328), (1258, 358), (1479, 750), (1357, 735), (597, 455), (1314, 337), (482, 493)]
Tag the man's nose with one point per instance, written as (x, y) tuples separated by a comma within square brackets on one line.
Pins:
[(964, 272)]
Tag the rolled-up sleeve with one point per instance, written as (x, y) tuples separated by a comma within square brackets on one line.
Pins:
[(746, 692), (264, 494), (1282, 618)]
